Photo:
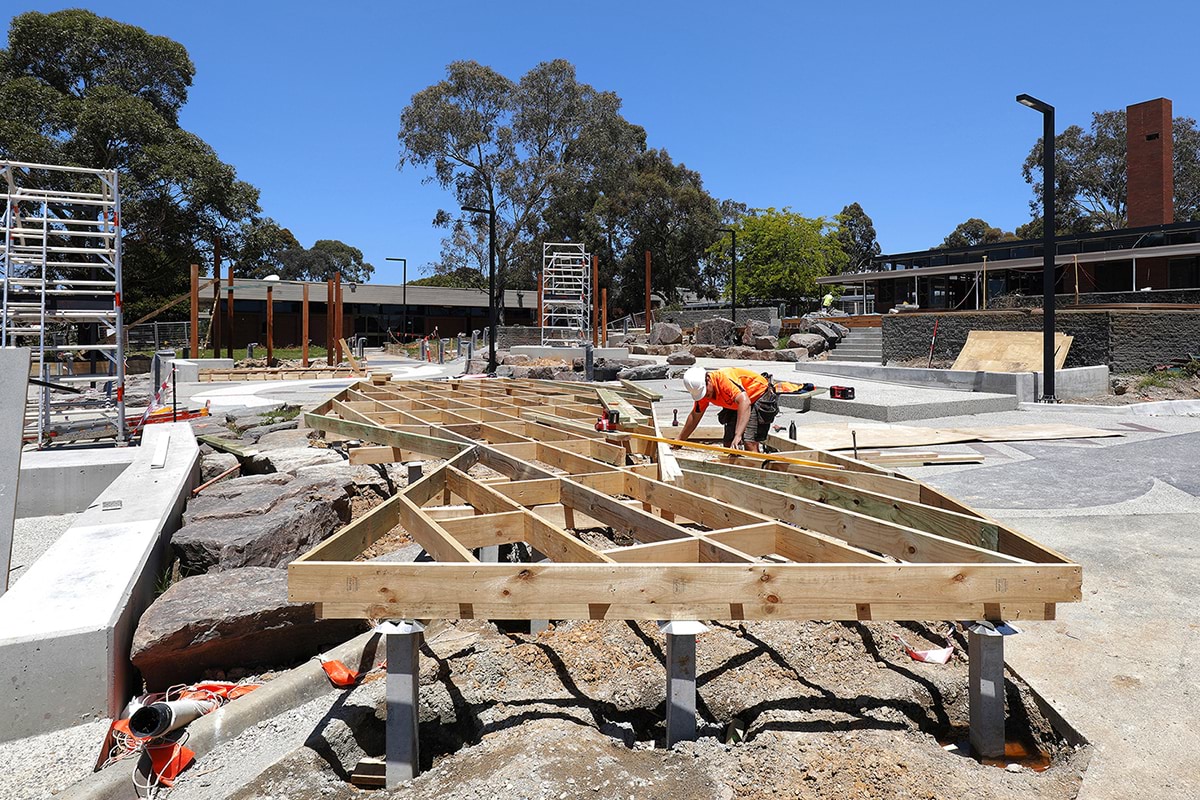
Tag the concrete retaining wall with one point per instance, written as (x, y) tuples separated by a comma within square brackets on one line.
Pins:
[(1124, 341), (14, 364), (187, 370), (66, 626), (67, 481)]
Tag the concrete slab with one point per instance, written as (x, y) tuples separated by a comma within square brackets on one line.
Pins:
[(895, 402), (67, 481), (187, 370), (568, 353), (14, 363), (65, 629), (1068, 383)]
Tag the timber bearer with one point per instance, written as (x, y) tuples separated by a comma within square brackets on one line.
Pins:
[(749, 403)]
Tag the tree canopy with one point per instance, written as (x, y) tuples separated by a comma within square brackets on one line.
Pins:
[(78, 89), (781, 254), (556, 161), (1091, 189), (856, 235), (974, 232)]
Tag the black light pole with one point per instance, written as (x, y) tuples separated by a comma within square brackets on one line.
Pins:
[(491, 282), (403, 316), (732, 269), (1048, 247)]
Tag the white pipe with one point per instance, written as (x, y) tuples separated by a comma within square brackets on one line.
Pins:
[(158, 719)]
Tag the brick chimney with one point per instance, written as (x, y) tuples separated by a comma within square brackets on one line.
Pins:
[(1149, 163)]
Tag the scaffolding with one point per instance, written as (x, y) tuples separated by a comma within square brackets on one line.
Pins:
[(566, 294), (60, 279)]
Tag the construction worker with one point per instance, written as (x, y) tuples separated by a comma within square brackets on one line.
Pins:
[(748, 400), (827, 303)]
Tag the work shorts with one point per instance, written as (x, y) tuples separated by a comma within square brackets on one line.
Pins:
[(757, 427)]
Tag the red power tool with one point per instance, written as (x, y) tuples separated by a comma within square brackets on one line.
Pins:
[(609, 420), (841, 392)]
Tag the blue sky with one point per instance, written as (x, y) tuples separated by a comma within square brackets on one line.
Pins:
[(906, 108)]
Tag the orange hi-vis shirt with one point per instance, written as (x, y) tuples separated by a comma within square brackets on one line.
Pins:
[(732, 381)]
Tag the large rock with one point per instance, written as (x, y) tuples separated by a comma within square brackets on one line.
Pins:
[(213, 464), (256, 433), (665, 333), (239, 619), (259, 520), (792, 354), (717, 331), (812, 342), (702, 350), (649, 372), (681, 357), (765, 342), (831, 335), (754, 328)]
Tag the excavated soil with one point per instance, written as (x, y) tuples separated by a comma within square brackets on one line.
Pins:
[(797, 710)]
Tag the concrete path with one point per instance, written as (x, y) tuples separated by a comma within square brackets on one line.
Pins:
[(1122, 665)]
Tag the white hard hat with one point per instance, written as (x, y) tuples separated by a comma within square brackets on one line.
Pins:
[(693, 381)]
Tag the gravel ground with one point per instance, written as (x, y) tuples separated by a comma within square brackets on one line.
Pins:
[(41, 766), (828, 710), (32, 536)]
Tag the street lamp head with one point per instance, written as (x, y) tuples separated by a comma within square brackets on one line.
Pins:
[(1032, 102), (391, 258)]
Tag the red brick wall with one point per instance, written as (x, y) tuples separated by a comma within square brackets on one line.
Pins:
[(1149, 163)]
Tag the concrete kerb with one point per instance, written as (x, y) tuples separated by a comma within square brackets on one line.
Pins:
[(187, 370), (1068, 383), (66, 627), (290, 690)]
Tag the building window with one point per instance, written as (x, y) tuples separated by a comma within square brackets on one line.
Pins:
[(1184, 273)]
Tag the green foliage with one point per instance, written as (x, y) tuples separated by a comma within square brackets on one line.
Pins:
[(79, 89), (1090, 173), (462, 278), (281, 414), (781, 254), (975, 232), (1161, 379), (507, 146), (856, 235)]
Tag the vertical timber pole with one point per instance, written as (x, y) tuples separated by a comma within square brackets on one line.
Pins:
[(985, 688), (270, 325), (681, 679), (304, 327), (340, 326), (595, 300), (604, 316), (329, 315), (214, 323), (194, 315), (229, 316), (647, 291), (402, 752), (733, 278)]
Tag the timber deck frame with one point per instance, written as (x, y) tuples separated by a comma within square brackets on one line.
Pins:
[(716, 540)]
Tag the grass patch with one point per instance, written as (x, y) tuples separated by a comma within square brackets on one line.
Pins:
[(283, 414), (1159, 379)]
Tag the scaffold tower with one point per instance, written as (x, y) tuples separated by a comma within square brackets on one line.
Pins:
[(566, 294), (60, 279)]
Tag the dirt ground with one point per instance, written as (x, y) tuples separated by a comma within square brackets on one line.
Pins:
[(825, 710), (1130, 389)]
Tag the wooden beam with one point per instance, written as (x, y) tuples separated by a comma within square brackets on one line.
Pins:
[(439, 448), (628, 414), (194, 314), (484, 530), (711, 610), (683, 585)]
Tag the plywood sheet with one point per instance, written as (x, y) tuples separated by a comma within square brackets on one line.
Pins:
[(837, 435), (1009, 351)]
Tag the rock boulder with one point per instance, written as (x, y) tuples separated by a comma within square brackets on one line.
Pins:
[(648, 372), (681, 357), (716, 331), (665, 333), (226, 620), (259, 520), (766, 342), (812, 342), (754, 328)]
